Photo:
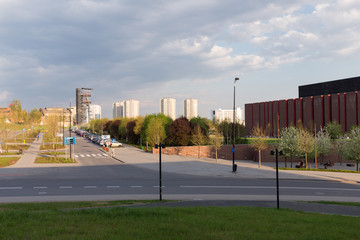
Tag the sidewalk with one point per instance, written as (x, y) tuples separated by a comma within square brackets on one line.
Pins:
[(28, 159), (209, 167)]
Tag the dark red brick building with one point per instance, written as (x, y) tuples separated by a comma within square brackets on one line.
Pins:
[(309, 111)]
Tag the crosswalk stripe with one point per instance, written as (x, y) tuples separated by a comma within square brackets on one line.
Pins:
[(88, 155), (94, 155)]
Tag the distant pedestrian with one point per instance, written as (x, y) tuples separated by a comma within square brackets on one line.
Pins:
[(112, 152)]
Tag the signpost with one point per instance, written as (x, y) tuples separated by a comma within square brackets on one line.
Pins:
[(69, 141)]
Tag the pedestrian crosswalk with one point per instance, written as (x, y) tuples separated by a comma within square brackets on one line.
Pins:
[(91, 155)]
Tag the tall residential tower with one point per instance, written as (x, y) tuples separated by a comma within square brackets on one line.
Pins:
[(190, 108), (168, 107)]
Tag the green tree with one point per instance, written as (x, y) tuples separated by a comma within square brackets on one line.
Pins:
[(198, 138), (323, 144), (164, 119), (288, 144), (17, 114), (259, 141), (334, 129), (5, 130), (216, 140), (35, 116), (155, 131), (53, 127), (305, 144), (179, 132), (351, 149)]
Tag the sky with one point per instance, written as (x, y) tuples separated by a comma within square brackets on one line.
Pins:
[(151, 49)]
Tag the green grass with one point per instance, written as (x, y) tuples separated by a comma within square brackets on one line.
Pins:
[(50, 221), (8, 161), (54, 160), (15, 146), (52, 153), (9, 153), (356, 204), (320, 170), (50, 146)]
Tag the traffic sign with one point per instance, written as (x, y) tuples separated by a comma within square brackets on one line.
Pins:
[(69, 140)]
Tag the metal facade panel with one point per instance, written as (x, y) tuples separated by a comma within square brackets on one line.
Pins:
[(335, 108), (318, 112), (291, 112), (342, 105), (298, 111), (308, 113), (248, 118), (327, 109), (282, 114), (351, 110)]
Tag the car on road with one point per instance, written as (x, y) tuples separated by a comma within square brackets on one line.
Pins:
[(115, 143)]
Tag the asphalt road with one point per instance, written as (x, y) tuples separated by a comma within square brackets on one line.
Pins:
[(100, 177)]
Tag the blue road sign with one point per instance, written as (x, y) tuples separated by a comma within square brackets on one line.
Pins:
[(232, 149)]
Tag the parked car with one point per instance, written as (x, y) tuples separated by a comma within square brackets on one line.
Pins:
[(115, 143)]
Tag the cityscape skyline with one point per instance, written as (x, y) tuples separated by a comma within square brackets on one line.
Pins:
[(184, 49)]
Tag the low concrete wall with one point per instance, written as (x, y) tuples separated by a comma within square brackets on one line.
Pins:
[(242, 152)]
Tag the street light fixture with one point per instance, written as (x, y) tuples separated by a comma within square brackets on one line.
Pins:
[(234, 166)]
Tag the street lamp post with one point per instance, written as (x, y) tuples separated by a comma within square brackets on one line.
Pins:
[(234, 166)]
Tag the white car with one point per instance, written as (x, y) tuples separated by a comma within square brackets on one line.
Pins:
[(115, 144)]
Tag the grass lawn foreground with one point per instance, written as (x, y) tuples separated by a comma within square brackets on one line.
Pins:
[(8, 161), (54, 160), (61, 221)]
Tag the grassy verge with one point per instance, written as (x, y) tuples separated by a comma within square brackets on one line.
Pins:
[(52, 153), (8, 161), (54, 160), (9, 153), (15, 147), (21, 140), (356, 204), (47, 221), (320, 170), (50, 146)]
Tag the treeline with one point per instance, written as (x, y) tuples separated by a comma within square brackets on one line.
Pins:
[(158, 128), (300, 142)]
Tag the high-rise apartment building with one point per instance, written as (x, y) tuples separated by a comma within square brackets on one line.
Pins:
[(128, 108), (190, 108), (93, 112), (168, 107), (118, 109), (220, 115), (131, 108)]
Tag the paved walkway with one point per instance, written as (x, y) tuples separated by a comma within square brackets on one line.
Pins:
[(223, 168), (27, 160)]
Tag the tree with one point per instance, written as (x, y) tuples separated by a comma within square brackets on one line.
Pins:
[(114, 128), (334, 129), (139, 122), (204, 124), (259, 141), (351, 149), (179, 132), (17, 114), (155, 131), (52, 127), (198, 138), (323, 144), (5, 128), (305, 144), (165, 122), (216, 140), (35, 116), (288, 144), (130, 134)]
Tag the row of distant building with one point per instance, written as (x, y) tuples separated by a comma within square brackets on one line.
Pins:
[(130, 109)]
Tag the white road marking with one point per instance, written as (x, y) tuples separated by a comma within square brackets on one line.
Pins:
[(94, 155), (99, 155), (10, 188), (112, 186), (136, 186), (104, 154), (81, 155), (40, 187), (88, 155), (158, 186), (90, 186), (65, 187), (269, 187), (76, 156)]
